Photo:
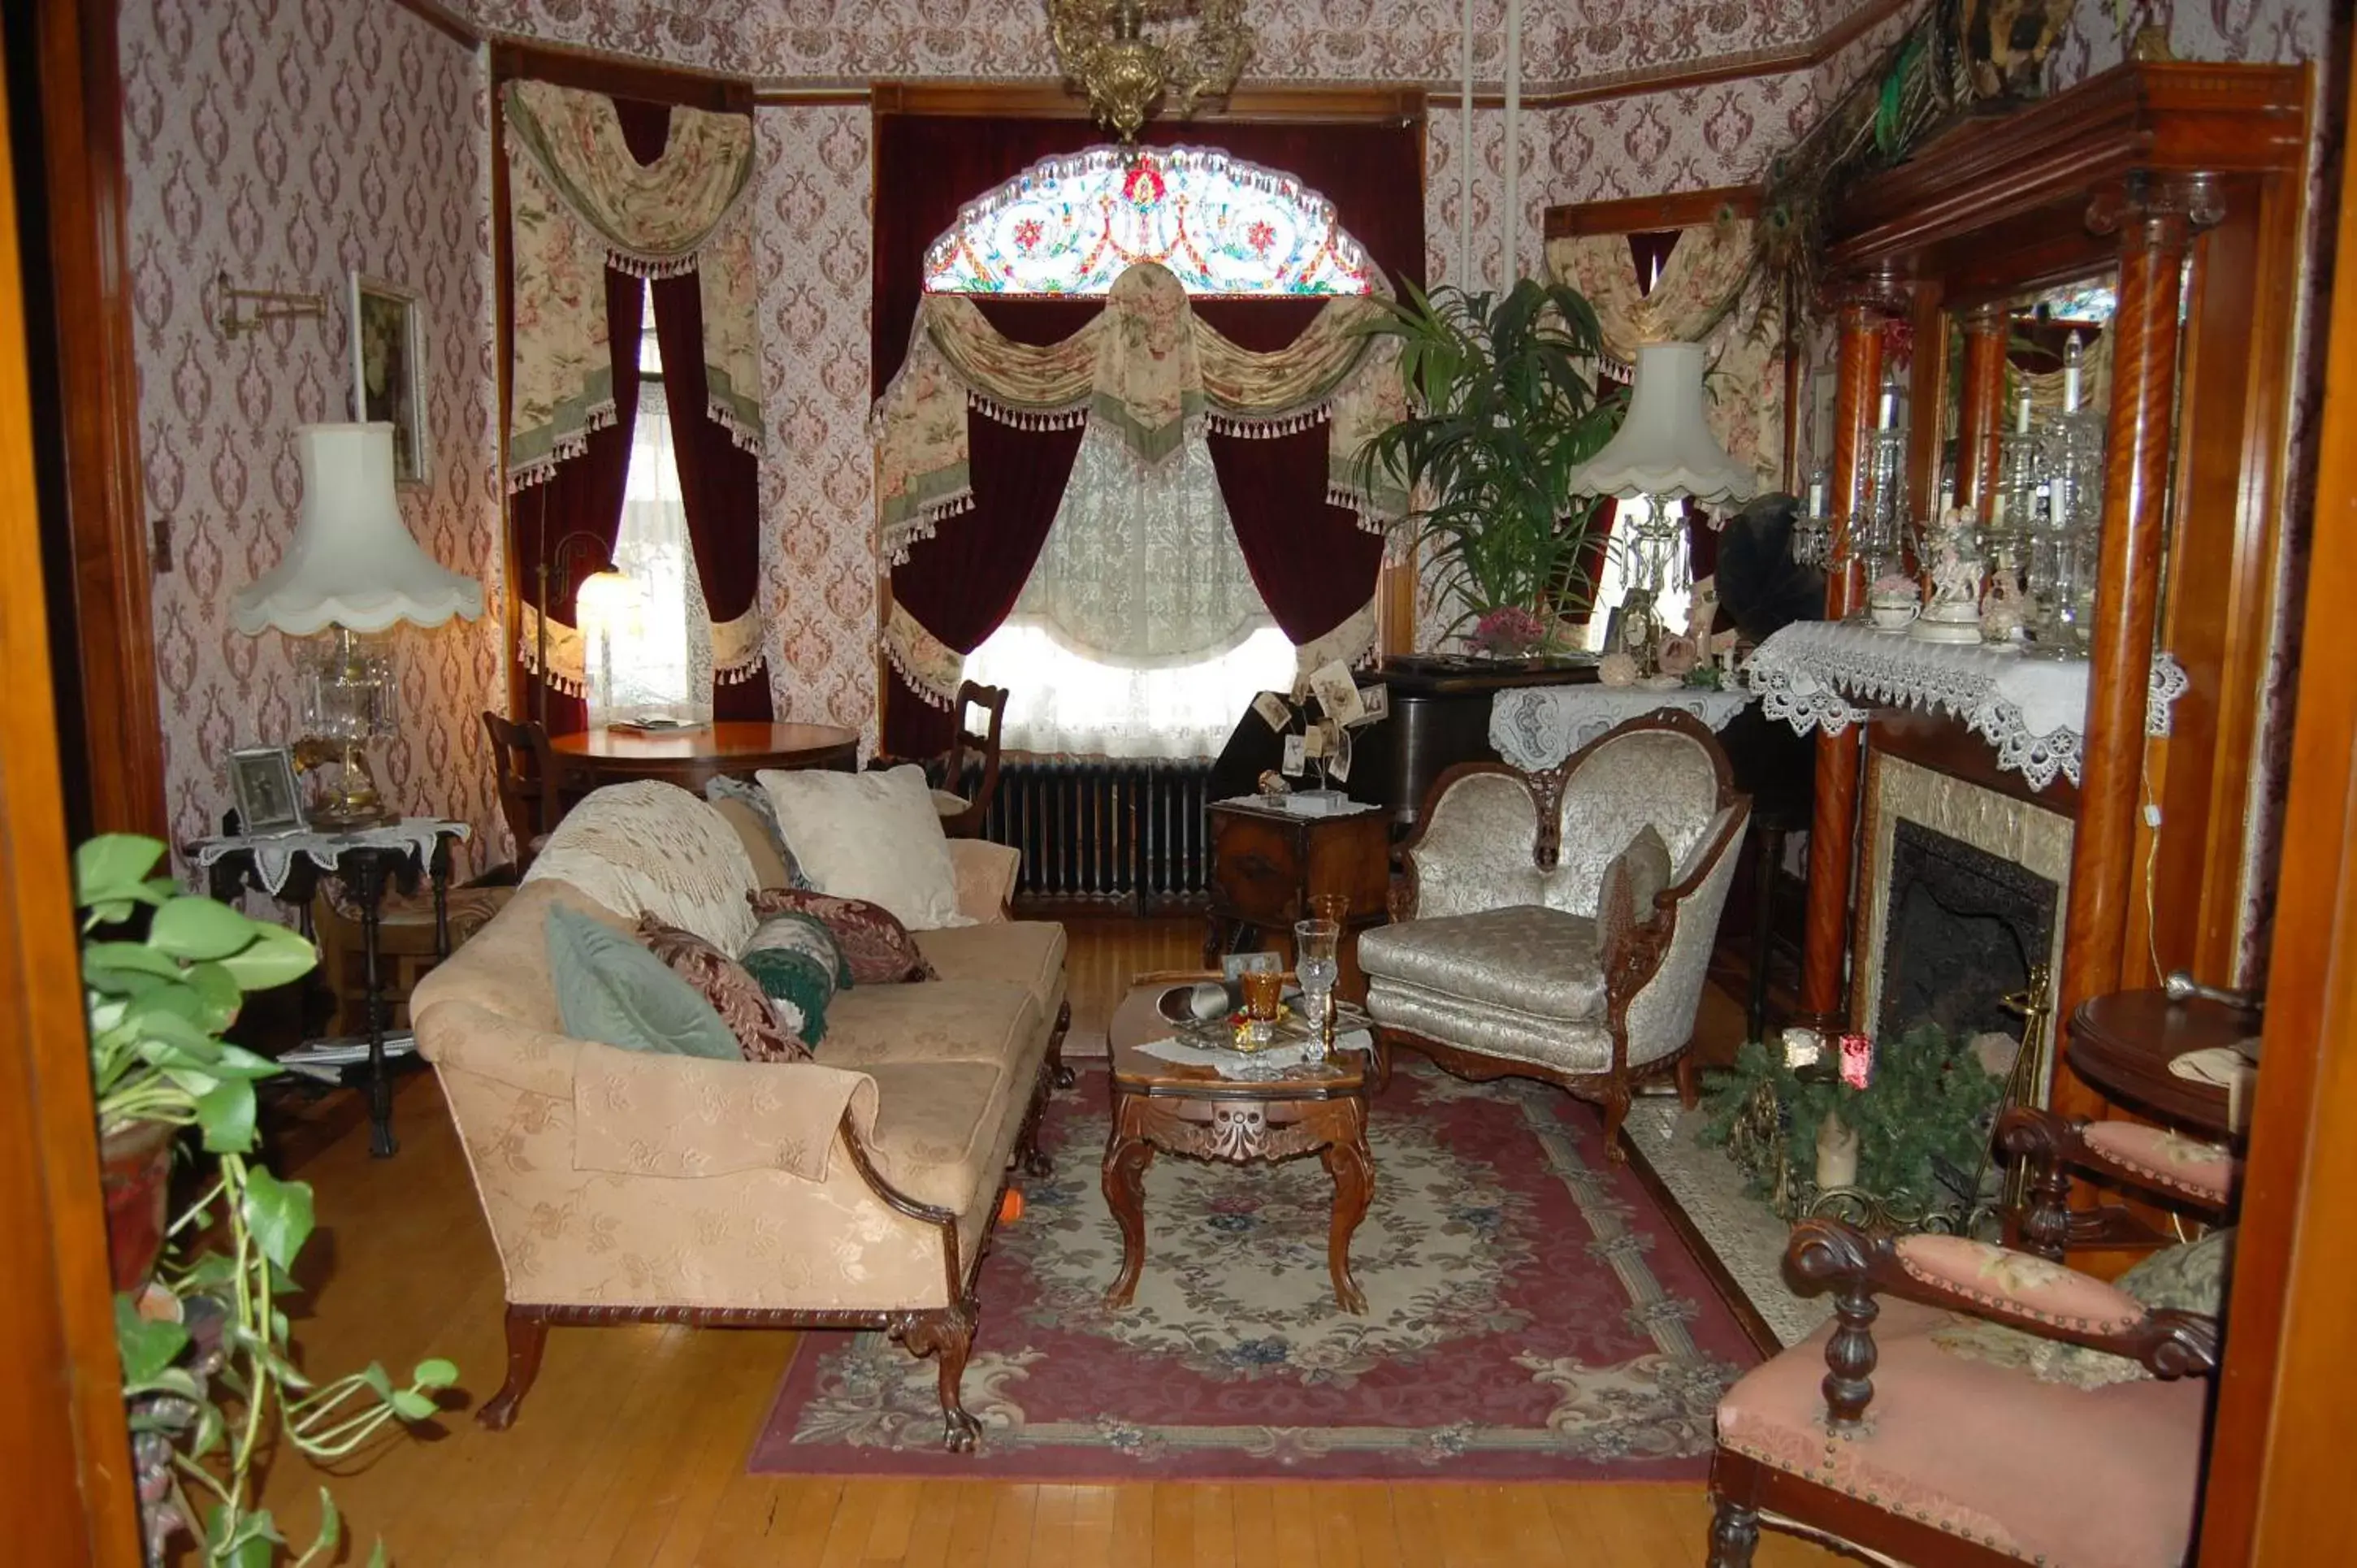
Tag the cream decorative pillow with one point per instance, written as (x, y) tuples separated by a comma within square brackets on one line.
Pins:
[(870, 835)]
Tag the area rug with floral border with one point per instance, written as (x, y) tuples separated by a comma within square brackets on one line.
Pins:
[(1531, 1314)]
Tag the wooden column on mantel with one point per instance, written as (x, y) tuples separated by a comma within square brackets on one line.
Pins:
[(1865, 306), (2155, 217), (1980, 416)]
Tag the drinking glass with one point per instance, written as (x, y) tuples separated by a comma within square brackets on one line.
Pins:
[(1315, 959), (1263, 991)]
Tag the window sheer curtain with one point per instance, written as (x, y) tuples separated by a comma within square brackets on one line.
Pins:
[(669, 671)]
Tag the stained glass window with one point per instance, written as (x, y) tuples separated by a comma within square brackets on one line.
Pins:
[(1069, 226)]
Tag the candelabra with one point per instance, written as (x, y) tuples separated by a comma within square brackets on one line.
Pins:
[(2058, 471)]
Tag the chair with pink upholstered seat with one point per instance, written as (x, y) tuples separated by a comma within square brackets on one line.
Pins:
[(2197, 1177), (1885, 1432)]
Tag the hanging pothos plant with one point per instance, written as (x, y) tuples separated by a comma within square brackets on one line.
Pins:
[(203, 1332), (1507, 408)]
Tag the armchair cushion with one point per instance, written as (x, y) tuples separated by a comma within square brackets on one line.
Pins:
[(2019, 1282), (1524, 958), (733, 993), (1973, 1448), (650, 848), (2170, 1160), (612, 990)]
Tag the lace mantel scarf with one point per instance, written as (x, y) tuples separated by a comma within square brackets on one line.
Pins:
[(580, 203), (1148, 368), (2031, 710)]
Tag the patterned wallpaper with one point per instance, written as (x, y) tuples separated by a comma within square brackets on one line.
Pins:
[(288, 143)]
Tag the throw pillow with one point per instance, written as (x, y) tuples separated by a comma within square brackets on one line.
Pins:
[(1631, 879), (2187, 1278), (612, 990), (876, 948), (799, 967), (870, 835), (746, 807), (733, 992)]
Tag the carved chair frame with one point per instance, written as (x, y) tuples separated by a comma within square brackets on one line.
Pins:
[(1631, 964), (943, 1332), (1857, 1266)]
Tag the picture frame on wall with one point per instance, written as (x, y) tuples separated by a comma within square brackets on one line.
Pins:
[(389, 370), (269, 801)]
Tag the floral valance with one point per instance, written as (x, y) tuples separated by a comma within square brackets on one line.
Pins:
[(1694, 300), (1148, 369), (578, 203)]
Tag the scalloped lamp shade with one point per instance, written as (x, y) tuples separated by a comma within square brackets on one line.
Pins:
[(1665, 448), (351, 563)]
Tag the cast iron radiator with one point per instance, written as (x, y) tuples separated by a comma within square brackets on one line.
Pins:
[(1103, 834)]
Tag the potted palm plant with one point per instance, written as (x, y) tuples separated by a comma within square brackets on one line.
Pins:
[(1507, 407), (208, 1365)]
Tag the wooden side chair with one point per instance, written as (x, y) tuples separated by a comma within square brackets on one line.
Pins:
[(526, 771), (962, 816), (2195, 1178)]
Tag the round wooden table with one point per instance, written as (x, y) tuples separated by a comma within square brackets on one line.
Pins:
[(588, 759), (2122, 1043), (1320, 1108)]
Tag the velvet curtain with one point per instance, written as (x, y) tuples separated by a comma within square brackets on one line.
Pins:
[(585, 493), (1307, 557)]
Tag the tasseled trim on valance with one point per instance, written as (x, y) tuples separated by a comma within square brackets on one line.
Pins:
[(571, 444), (567, 672), (932, 668), (919, 526), (739, 648), (1070, 418), (1253, 427)]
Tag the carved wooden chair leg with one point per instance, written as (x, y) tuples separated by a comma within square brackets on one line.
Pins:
[(946, 1333), (527, 1336), (1616, 1111), (1029, 1158), (1064, 1077), (1733, 1535)]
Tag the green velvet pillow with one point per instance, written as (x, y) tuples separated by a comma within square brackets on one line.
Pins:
[(797, 961), (613, 991)]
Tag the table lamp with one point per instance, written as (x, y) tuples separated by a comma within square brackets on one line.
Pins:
[(1665, 449), (351, 569), (605, 605)]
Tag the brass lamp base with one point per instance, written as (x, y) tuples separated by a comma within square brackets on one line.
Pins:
[(352, 802)]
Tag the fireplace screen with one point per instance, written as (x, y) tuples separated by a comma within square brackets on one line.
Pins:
[(1961, 930)]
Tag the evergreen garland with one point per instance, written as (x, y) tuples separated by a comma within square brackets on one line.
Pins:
[(1923, 1120)]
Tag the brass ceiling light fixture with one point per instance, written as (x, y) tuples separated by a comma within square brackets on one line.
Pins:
[(1125, 56)]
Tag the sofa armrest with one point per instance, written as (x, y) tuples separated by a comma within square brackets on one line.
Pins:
[(986, 877), (685, 1117), (2017, 1289)]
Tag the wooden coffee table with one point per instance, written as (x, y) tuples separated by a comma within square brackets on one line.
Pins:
[(1319, 1108)]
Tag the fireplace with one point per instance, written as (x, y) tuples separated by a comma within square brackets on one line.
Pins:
[(1962, 929), (1959, 893)]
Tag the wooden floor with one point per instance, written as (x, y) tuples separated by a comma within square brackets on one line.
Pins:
[(631, 1449)]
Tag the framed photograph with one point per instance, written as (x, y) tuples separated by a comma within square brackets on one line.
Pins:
[(389, 370), (268, 799)]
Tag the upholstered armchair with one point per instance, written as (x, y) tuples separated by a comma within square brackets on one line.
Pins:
[(1532, 940), (1907, 1428), (2186, 1173)]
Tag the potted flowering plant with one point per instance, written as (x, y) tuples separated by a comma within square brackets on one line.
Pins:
[(207, 1367), (1508, 407)]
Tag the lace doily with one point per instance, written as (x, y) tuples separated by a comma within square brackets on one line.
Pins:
[(1535, 727), (1825, 675), (274, 856)]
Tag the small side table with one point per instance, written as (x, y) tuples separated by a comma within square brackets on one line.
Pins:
[(367, 861), (2122, 1044), (1268, 867)]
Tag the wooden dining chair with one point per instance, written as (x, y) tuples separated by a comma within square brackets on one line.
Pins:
[(526, 773), (962, 814)]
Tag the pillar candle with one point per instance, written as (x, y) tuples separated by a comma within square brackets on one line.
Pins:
[(2071, 358), (1836, 1154)]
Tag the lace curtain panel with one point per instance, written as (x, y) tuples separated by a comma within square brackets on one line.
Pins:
[(580, 203), (662, 665), (1061, 702)]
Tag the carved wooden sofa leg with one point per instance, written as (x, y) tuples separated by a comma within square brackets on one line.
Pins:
[(947, 1334), (527, 1336), (1734, 1534), (1064, 1077), (1029, 1158)]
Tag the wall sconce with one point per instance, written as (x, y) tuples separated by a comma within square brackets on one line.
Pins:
[(268, 304)]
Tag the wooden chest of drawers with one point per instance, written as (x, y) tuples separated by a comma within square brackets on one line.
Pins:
[(1267, 866)]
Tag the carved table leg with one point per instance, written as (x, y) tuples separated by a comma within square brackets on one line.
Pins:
[(1127, 1153), (1733, 1535), (527, 1336), (368, 891), (946, 1333), (1352, 1166)]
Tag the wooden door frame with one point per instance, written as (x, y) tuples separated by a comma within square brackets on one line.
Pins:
[(2275, 1490), (95, 395), (63, 1444)]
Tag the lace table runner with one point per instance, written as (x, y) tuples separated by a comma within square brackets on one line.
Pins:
[(2032, 711), (273, 854), (1535, 727), (1262, 1067)]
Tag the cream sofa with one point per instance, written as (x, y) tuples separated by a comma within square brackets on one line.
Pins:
[(854, 1191)]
